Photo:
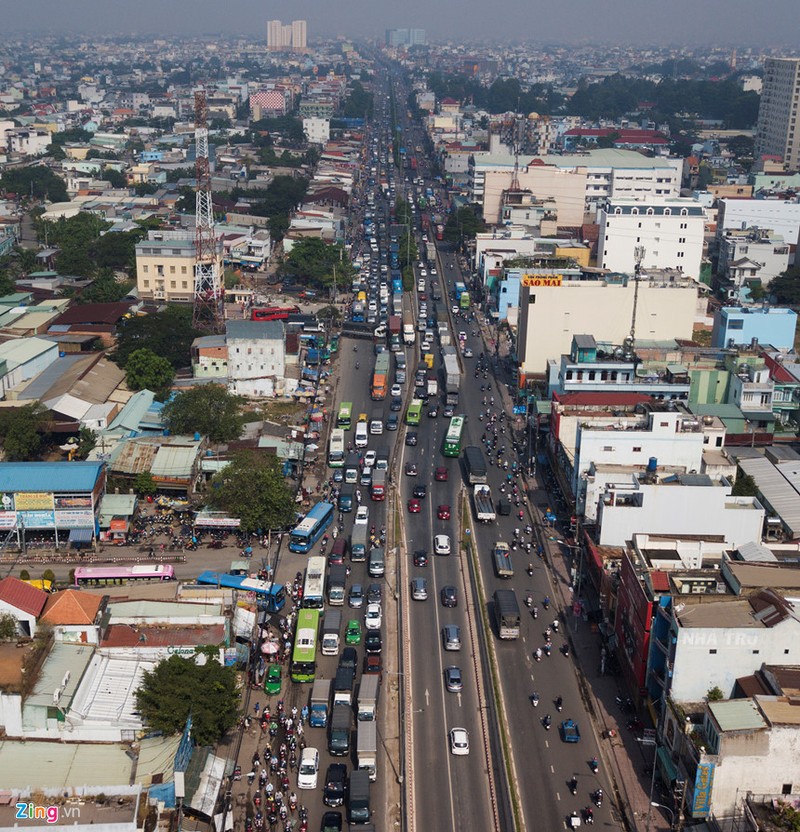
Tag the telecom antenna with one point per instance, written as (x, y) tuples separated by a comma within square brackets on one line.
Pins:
[(638, 256), (208, 311)]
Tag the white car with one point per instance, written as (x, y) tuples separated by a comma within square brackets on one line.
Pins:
[(372, 618), (362, 518), (441, 543), (423, 273), (396, 391), (369, 458), (459, 742), (309, 769)]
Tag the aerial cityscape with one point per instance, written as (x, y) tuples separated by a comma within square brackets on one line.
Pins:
[(400, 418)]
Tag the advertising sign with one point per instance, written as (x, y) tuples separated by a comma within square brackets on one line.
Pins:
[(541, 279), (8, 519), (34, 500), (37, 519), (75, 501), (703, 783), (227, 522), (75, 519)]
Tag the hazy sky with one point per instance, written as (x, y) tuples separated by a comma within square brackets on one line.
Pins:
[(769, 22)]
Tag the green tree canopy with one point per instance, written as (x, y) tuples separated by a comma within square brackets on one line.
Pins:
[(252, 488), (144, 370), (168, 334), (144, 484), (20, 431), (209, 410), (786, 287), (39, 182), (115, 178), (178, 687), (106, 289), (463, 223), (745, 486), (312, 260)]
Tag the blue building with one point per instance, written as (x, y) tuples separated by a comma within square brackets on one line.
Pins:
[(736, 326), (507, 291)]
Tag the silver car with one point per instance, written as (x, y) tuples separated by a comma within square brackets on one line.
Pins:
[(419, 589)]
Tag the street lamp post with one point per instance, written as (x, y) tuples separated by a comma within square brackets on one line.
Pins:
[(666, 808)]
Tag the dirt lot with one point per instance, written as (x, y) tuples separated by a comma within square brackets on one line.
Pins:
[(11, 660)]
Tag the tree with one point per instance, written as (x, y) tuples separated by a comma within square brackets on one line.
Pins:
[(144, 370), (106, 289), (252, 488), (312, 260), (209, 410), (20, 431), (786, 287), (714, 694), (115, 178), (168, 334), (178, 688), (8, 627), (49, 575), (463, 223), (144, 484), (86, 442), (745, 486), (38, 182)]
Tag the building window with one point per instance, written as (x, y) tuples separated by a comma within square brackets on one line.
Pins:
[(667, 211), (713, 651), (608, 449), (637, 449), (146, 283), (184, 284), (684, 212), (145, 269), (681, 239), (786, 788), (172, 269), (160, 270), (756, 652), (172, 284)]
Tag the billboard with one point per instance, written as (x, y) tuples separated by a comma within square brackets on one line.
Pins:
[(537, 279), (703, 784), (37, 519), (34, 500), (75, 519)]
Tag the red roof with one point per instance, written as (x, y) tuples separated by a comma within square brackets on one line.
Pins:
[(660, 580), (22, 596), (127, 635), (778, 372), (600, 398)]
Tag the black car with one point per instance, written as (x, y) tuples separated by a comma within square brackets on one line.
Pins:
[(373, 643), (420, 492), (411, 438), (392, 422), (331, 822), (396, 405), (420, 558), (335, 785), (374, 594), (449, 596), (349, 658)]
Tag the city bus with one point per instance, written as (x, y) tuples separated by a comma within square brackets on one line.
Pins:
[(344, 420), (304, 652), (464, 301), (314, 586), (273, 313), (336, 449), (311, 528), (269, 596), (452, 441), (113, 575), (414, 412)]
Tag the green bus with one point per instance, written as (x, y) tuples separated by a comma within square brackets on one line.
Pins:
[(464, 300), (304, 653), (345, 418), (414, 412), (452, 441)]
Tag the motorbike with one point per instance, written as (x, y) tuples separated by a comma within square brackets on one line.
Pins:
[(537, 654), (547, 722), (555, 625), (528, 600), (597, 798), (535, 700), (530, 570), (589, 815), (573, 785), (547, 649), (357, 365), (559, 704), (535, 612), (546, 603), (594, 765), (565, 650)]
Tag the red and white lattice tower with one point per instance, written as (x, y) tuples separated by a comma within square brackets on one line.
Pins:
[(208, 293)]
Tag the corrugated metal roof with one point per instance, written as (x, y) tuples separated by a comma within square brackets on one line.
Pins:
[(737, 715), (780, 487), (22, 350), (49, 476), (252, 330), (174, 461), (134, 411)]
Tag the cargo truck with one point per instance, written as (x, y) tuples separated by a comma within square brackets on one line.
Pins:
[(506, 611), (343, 686), (501, 560), (339, 734), (337, 581), (408, 330), (320, 698), (445, 338), (380, 377), (432, 386), (331, 628), (358, 543), (484, 505), (475, 465), (378, 487), (368, 697), (395, 332), (367, 748), (452, 375), (359, 810)]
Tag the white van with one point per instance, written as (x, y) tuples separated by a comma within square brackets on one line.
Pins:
[(362, 438)]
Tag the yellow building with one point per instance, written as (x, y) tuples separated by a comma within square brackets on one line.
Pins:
[(578, 253), (165, 266)]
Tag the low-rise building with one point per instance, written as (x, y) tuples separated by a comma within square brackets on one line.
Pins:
[(256, 357), (737, 326)]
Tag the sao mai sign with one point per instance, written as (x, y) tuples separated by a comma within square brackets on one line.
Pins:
[(533, 279)]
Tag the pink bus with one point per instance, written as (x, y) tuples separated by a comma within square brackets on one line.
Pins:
[(106, 575)]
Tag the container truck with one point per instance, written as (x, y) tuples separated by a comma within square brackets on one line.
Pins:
[(320, 699), (475, 464), (506, 611), (452, 375), (445, 338), (408, 330), (395, 331), (380, 377), (367, 747), (368, 697), (331, 628), (484, 505), (432, 385)]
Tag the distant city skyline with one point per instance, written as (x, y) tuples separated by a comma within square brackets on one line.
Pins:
[(633, 22)]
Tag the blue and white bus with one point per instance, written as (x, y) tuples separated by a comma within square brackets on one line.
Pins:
[(314, 586), (311, 528), (269, 596)]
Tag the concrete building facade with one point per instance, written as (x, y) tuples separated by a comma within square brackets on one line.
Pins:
[(776, 133), (256, 357)]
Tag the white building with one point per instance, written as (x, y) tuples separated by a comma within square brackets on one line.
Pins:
[(669, 230), (678, 504), (27, 141), (780, 217), (256, 357), (555, 308), (751, 254), (317, 130)]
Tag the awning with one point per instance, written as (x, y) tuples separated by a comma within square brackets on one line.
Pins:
[(81, 535), (667, 768)]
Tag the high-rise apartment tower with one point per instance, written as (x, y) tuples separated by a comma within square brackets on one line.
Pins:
[(778, 132)]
